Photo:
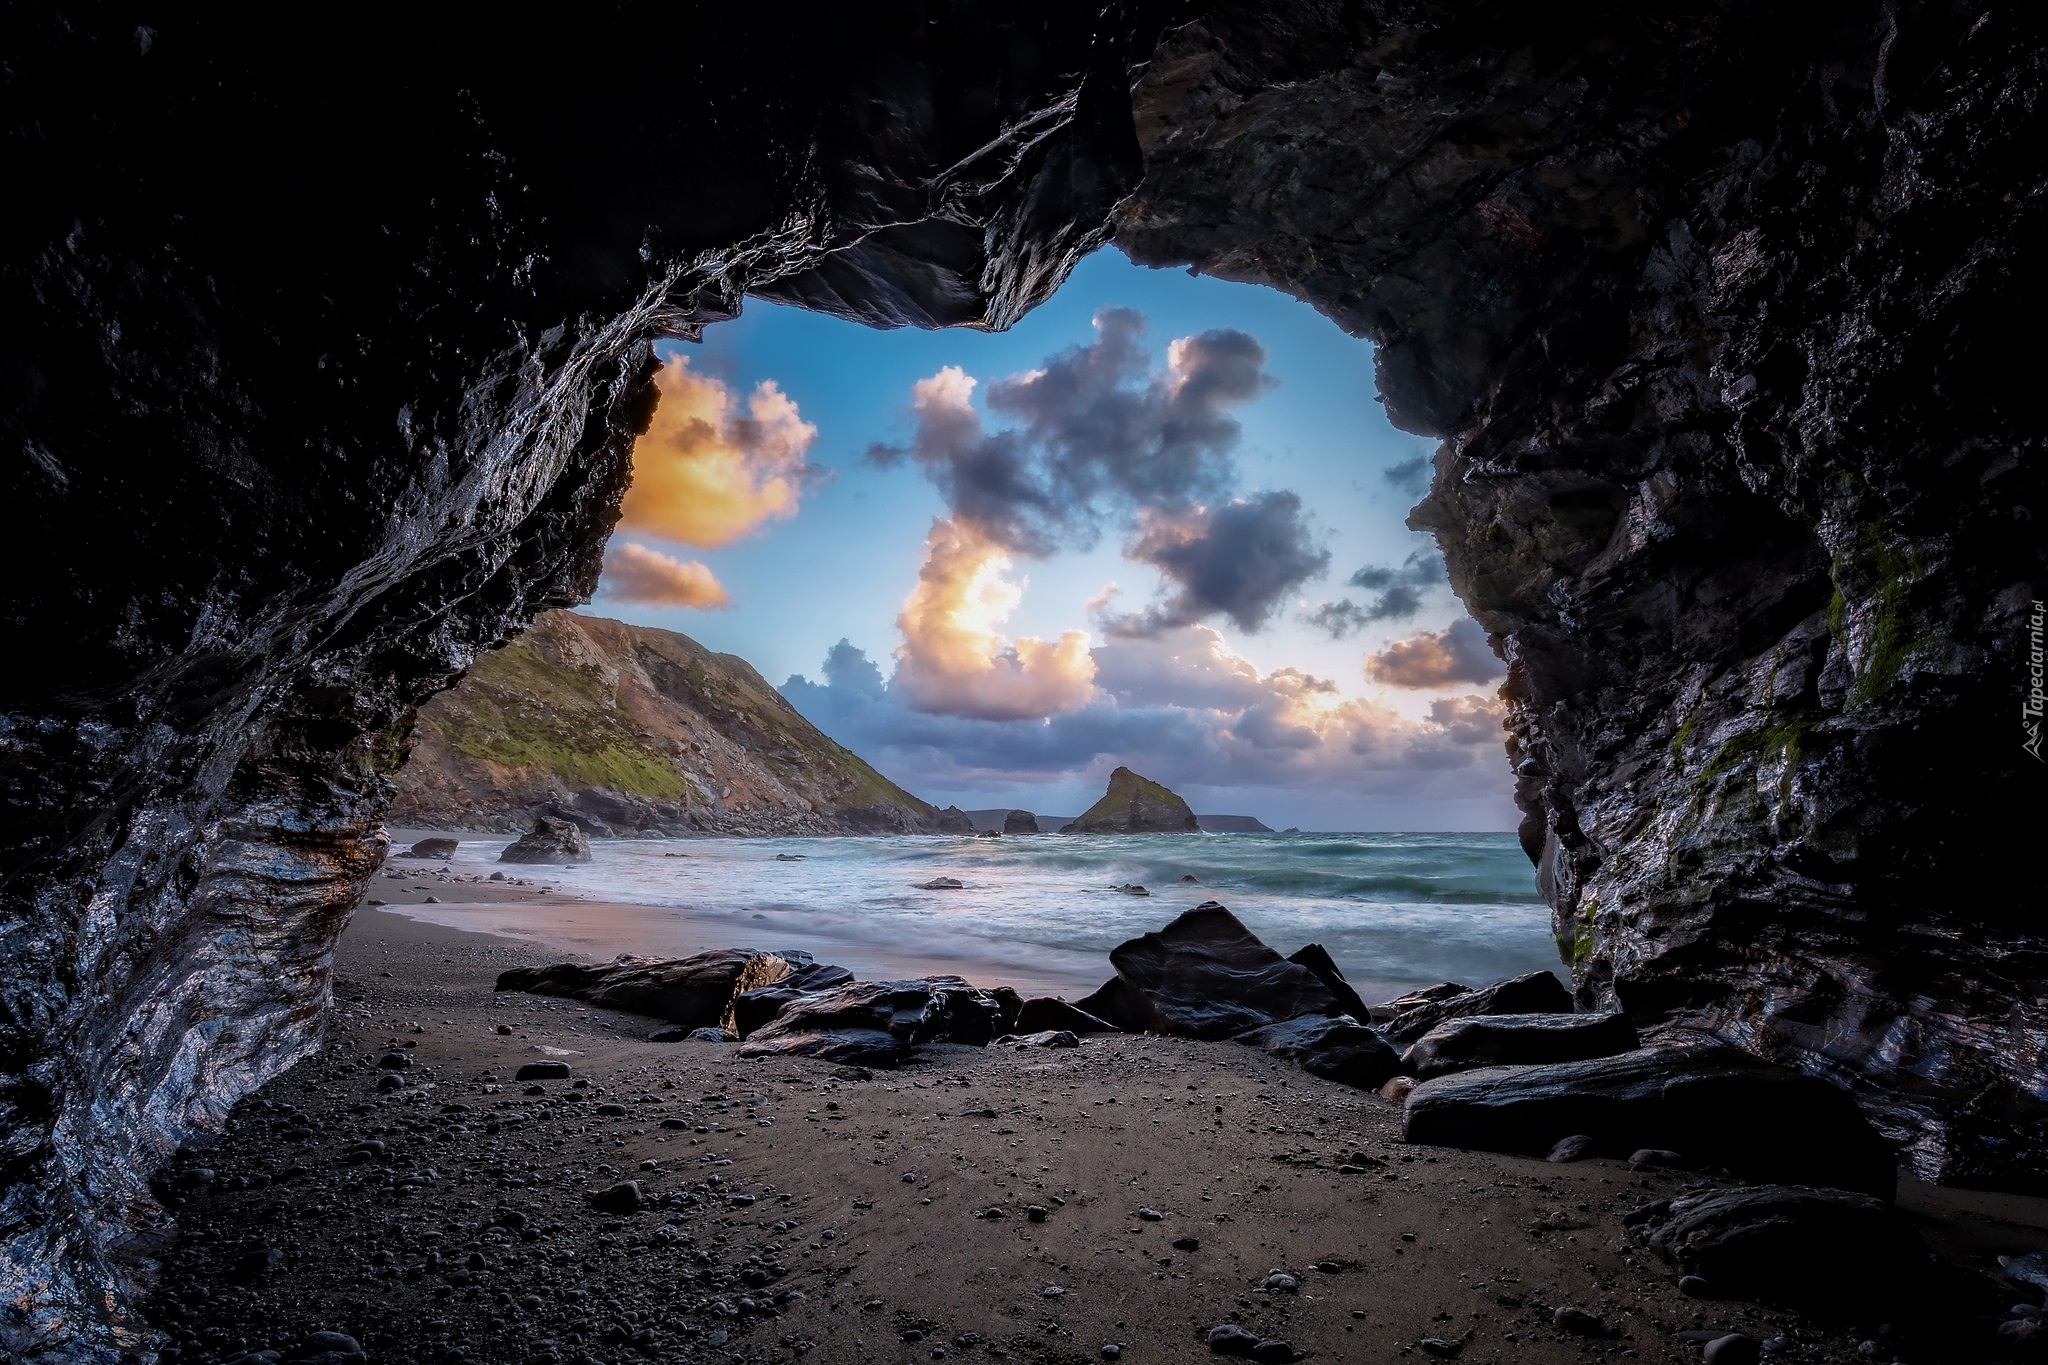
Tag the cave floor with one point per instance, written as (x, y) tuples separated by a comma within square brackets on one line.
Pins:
[(796, 1209)]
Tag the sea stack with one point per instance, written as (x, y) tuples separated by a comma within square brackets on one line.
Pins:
[(1135, 805)]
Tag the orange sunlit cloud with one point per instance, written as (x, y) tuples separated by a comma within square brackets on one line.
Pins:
[(955, 661), (711, 468), (634, 573)]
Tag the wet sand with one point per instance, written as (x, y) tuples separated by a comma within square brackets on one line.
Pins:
[(797, 1208)]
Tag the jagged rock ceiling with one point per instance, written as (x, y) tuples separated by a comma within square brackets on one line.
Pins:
[(326, 354)]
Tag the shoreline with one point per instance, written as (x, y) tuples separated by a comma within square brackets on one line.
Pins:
[(794, 1209)]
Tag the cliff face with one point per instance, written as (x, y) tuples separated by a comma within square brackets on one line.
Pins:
[(1135, 805), (1712, 306), (324, 358), (626, 728)]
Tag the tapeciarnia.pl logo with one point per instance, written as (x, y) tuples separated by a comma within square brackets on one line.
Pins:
[(2037, 699)]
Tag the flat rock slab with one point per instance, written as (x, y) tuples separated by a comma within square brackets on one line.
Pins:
[(1718, 1105), (1517, 1040), (1207, 976), (1791, 1244), (1340, 1049), (879, 1022), (1535, 993), (692, 991)]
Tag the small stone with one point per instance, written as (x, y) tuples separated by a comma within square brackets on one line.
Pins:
[(1577, 1147), (1437, 1346), (1734, 1349), (1396, 1090), (1112, 1351), (542, 1071), (612, 1110), (2021, 1332), (739, 1201), (1578, 1322), (1151, 1215), (624, 1197), (1051, 1291), (1273, 1351), (1280, 1282), (318, 1342), (1228, 1339), (871, 1306), (395, 1061), (1035, 1212), (534, 1090), (504, 1030), (942, 884), (1187, 1244), (388, 1082), (992, 1212), (910, 1177), (1695, 1287)]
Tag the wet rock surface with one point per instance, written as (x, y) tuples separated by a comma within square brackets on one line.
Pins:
[(1205, 975), (1516, 1040), (1732, 476), (1717, 1104), (1340, 1049), (690, 992), (879, 1023), (1533, 993), (551, 840)]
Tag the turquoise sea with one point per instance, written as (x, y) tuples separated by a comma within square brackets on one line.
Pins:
[(1395, 910)]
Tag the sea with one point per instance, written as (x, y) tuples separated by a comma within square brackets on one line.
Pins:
[(1396, 911)]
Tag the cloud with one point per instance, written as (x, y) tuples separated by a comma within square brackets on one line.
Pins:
[(1456, 654), (1237, 560), (953, 660), (709, 469), (634, 573), (1409, 476), (1180, 708), (1400, 595), (1095, 431)]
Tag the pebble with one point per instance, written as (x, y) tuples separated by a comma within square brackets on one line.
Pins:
[(388, 1082), (1396, 1090), (1734, 1349), (1228, 1339), (504, 1030), (1656, 1159), (624, 1197), (610, 1110), (1112, 1351), (1051, 1291), (1187, 1244), (1273, 1351), (1280, 1282), (1437, 1346), (1578, 1322), (395, 1061), (1151, 1215), (1035, 1212), (542, 1071), (1694, 1287)]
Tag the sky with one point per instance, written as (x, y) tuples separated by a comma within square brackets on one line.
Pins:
[(1159, 523)]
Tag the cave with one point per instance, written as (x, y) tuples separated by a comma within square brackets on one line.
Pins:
[(328, 350)]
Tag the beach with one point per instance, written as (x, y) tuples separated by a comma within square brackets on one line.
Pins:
[(1116, 1200)]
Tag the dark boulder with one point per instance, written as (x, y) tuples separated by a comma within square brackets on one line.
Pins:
[(1717, 1104), (942, 884), (624, 1197), (543, 1071), (431, 848), (1116, 1004), (1021, 822), (953, 820), (1535, 993), (1053, 1037), (1340, 1049), (879, 1022), (1207, 976), (1517, 1040), (693, 991), (550, 841), (1317, 959), (1790, 1244), (770, 982), (1049, 1012)]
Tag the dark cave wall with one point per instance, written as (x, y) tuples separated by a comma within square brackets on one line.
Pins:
[(324, 361), (1715, 307)]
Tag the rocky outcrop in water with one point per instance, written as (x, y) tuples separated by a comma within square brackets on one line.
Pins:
[(314, 398), (628, 730), (1741, 473), (1134, 805)]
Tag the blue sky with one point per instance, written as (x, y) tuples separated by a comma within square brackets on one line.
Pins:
[(873, 490)]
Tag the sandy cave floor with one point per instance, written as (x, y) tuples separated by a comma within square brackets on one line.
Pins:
[(796, 1210)]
